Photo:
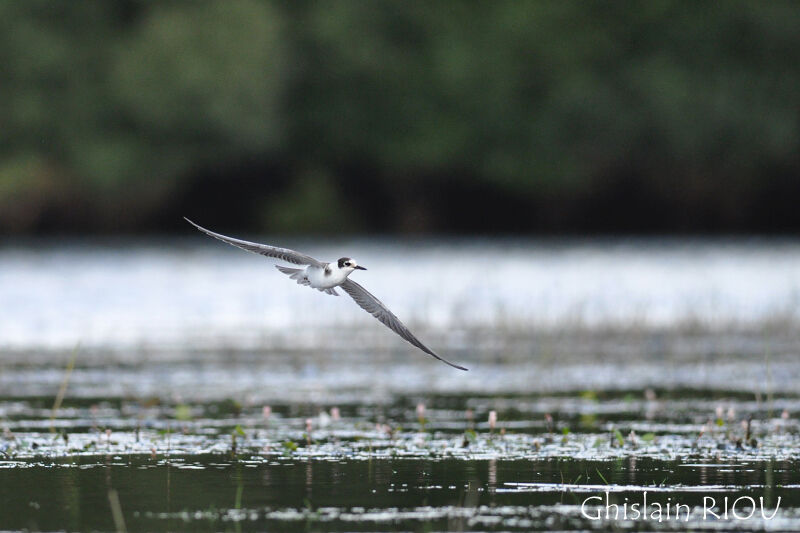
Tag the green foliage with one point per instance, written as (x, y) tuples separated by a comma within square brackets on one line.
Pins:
[(618, 436), (119, 106), (589, 396), (205, 74), (470, 436), (118, 102), (183, 412), (309, 204), (588, 421)]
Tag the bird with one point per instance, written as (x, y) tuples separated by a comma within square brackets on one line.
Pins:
[(327, 277)]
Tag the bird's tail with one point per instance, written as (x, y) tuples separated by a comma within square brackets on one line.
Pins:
[(297, 274)]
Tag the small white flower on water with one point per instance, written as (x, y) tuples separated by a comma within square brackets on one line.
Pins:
[(492, 419)]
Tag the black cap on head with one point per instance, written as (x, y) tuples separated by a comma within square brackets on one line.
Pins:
[(342, 261)]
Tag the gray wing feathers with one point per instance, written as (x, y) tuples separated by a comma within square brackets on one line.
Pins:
[(284, 254), (376, 308)]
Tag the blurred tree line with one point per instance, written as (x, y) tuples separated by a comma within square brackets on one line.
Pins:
[(410, 116)]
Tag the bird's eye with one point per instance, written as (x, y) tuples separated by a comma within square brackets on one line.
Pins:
[(347, 264)]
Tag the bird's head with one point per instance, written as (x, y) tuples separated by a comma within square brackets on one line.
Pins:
[(346, 263)]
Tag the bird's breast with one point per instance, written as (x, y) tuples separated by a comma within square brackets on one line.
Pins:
[(325, 278)]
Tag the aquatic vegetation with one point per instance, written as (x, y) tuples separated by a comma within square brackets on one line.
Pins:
[(88, 429), (499, 447), (273, 432)]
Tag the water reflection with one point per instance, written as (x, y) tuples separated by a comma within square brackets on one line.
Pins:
[(276, 495)]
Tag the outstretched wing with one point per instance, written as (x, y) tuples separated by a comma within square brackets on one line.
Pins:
[(270, 251), (375, 307)]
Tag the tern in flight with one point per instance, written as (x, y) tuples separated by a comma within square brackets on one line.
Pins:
[(326, 277)]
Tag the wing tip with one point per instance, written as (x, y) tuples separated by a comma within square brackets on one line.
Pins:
[(465, 369), (194, 224), (443, 360)]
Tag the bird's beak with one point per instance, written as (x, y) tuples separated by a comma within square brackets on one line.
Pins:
[(359, 267)]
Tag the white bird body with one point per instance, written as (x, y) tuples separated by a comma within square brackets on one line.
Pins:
[(323, 278), (326, 277)]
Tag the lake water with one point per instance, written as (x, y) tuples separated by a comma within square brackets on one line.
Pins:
[(191, 293), (662, 366)]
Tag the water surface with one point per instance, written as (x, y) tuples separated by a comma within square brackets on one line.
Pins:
[(209, 392)]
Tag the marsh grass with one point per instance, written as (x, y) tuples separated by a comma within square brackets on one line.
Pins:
[(62, 390), (116, 511)]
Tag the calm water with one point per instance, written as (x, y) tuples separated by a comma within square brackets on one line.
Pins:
[(201, 293), (211, 393), (210, 493)]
